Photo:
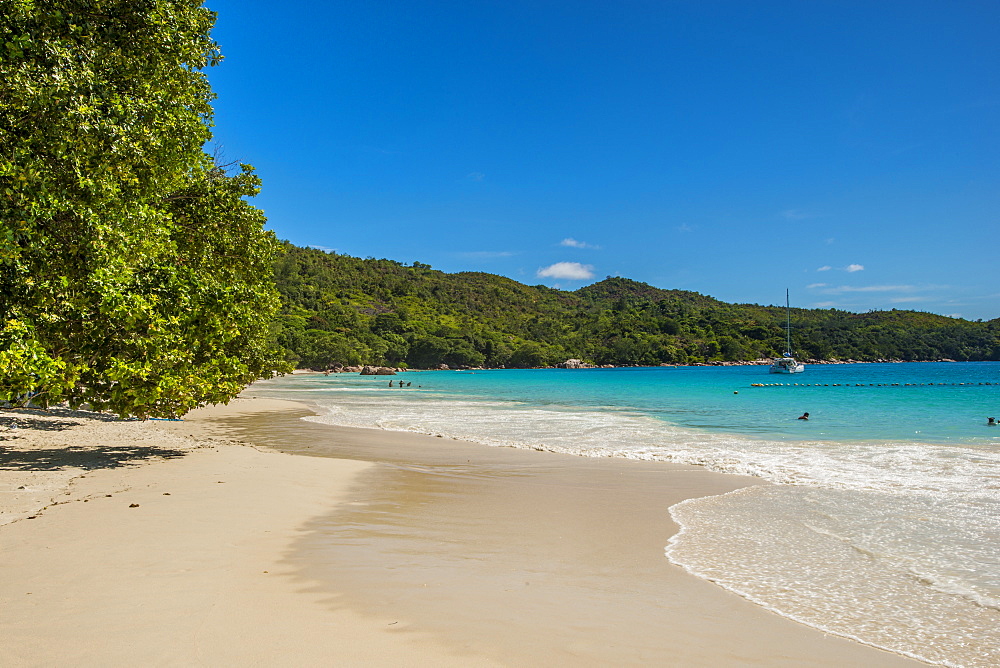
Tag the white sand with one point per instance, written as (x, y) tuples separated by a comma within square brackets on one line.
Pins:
[(192, 576), (213, 567)]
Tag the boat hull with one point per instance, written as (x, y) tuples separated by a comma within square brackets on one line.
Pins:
[(787, 366)]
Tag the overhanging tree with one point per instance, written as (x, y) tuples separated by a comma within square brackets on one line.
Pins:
[(134, 276)]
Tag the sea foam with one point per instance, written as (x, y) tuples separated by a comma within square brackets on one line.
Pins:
[(889, 541)]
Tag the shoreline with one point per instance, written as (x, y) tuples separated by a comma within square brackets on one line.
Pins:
[(165, 543), (356, 369), (390, 548), (484, 526)]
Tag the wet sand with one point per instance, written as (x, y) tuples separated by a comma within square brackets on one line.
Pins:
[(531, 558), (136, 544), (355, 547)]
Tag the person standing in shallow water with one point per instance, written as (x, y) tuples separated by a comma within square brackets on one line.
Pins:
[(804, 416)]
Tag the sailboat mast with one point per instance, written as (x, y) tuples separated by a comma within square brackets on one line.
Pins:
[(788, 326)]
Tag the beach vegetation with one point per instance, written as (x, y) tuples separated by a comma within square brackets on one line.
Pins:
[(394, 314), (135, 276)]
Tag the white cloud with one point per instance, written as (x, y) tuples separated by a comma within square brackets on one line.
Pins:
[(850, 269), (573, 243), (816, 285), (824, 304), (568, 270), (325, 249)]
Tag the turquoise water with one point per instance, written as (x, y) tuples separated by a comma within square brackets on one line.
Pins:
[(703, 397), (884, 521)]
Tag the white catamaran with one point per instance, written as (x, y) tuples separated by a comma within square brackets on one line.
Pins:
[(787, 363)]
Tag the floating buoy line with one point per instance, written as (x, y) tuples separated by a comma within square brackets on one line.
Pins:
[(864, 384)]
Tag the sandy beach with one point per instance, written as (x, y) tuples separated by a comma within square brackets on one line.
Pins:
[(244, 535)]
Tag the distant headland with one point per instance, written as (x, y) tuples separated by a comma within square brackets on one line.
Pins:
[(340, 312)]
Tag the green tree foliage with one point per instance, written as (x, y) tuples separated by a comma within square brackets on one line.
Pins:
[(134, 276), (387, 313)]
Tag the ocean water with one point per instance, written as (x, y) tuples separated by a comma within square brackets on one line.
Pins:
[(883, 524)]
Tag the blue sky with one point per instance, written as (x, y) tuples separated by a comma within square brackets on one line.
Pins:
[(849, 151)]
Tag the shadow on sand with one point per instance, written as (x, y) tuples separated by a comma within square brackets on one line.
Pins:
[(35, 418), (55, 459), (70, 456)]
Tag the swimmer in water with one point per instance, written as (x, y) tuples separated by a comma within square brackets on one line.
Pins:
[(804, 416), (991, 421)]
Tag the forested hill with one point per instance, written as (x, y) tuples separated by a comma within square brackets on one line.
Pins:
[(339, 309)]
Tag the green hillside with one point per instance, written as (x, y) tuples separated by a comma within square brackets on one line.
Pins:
[(339, 309)]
